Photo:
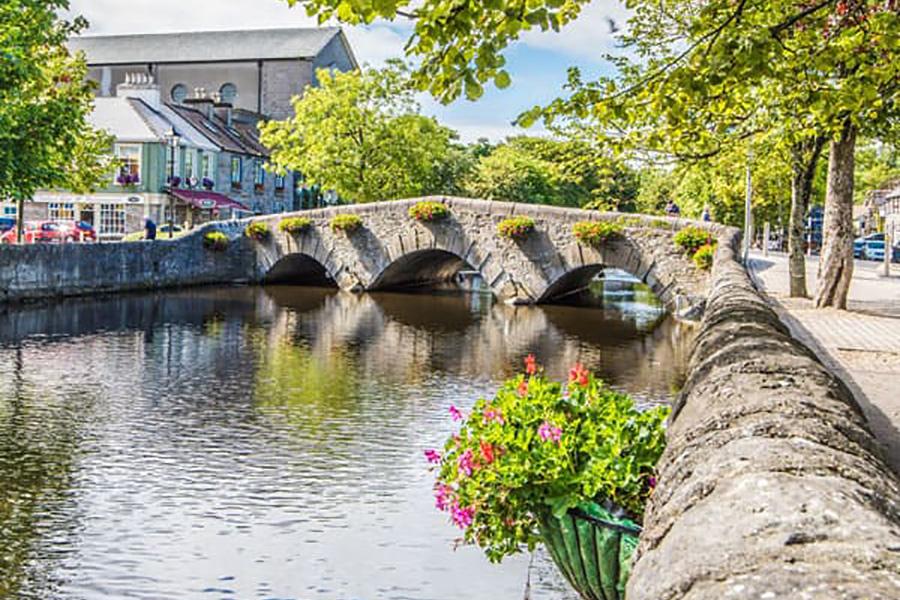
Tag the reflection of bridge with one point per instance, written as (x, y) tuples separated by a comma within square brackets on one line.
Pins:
[(393, 250)]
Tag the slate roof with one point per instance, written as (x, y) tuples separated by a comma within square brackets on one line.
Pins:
[(118, 117), (205, 46), (239, 139)]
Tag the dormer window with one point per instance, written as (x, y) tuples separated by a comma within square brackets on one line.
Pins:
[(228, 93), (179, 93)]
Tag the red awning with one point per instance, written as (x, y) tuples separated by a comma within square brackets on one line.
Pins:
[(207, 200)]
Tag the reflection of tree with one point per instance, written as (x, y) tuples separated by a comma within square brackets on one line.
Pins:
[(39, 444)]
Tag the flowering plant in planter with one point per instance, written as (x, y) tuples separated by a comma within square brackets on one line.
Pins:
[(594, 233), (429, 211), (346, 223), (257, 230), (704, 256), (208, 183), (515, 228), (295, 225), (539, 450), (127, 179), (699, 244), (174, 181), (216, 241)]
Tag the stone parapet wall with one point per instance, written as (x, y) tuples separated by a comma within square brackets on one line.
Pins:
[(772, 485), (39, 271)]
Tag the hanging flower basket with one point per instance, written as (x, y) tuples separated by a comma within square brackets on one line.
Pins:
[(592, 548)]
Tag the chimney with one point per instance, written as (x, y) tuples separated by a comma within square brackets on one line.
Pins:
[(201, 102), (140, 86), (224, 110)]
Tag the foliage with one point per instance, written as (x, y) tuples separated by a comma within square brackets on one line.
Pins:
[(360, 134), (548, 171), (427, 211), (704, 256), (594, 233), (877, 167), (257, 230), (295, 225), (346, 223), (216, 241), (691, 238), (539, 447), (515, 228), (45, 100)]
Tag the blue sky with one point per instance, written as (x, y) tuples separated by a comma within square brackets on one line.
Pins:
[(537, 63)]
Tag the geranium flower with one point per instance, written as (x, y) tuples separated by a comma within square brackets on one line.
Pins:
[(443, 497), (578, 375), (466, 463), (549, 432), (432, 456), (487, 452), (462, 516), (523, 388), (492, 414), (531, 364), (455, 413)]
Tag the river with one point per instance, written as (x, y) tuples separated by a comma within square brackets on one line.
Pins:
[(267, 443)]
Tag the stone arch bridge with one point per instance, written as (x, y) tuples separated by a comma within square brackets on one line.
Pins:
[(392, 251)]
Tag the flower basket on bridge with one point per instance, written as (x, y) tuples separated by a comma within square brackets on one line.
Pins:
[(516, 228), (570, 466), (346, 223), (215, 241), (258, 231), (428, 212), (595, 233), (295, 225)]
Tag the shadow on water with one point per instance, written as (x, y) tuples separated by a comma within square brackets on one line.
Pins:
[(246, 442)]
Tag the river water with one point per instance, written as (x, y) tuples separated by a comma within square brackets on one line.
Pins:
[(267, 443)]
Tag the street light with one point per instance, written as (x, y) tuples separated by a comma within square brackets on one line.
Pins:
[(173, 139)]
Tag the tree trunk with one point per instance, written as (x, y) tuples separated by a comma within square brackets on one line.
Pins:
[(804, 159), (836, 261)]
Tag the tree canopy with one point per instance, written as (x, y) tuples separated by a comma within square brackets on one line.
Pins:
[(360, 134), (45, 100)]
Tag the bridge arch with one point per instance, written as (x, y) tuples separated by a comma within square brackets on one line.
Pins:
[(298, 268), (419, 268)]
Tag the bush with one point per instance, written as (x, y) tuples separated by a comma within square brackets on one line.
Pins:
[(540, 448), (594, 233), (257, 230), (704, 256), (295, 225), (515, 228), (216, 241), (691, 238), (346, 223), (429, 211)]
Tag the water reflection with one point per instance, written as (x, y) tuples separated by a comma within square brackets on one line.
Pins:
[(244, 443)]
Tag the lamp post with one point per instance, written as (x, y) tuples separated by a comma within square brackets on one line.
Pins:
[(173, 139)]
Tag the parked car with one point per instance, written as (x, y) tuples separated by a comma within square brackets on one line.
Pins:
[(859, 244), (165, 229), (78, 231), (29, 232), (873, 250), (7, 223)]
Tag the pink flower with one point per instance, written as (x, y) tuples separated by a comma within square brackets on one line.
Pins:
[(549, 432), (492, 414), (461, 516), (466, 463), (443, 497), (651, 482), (531, 364), (578, 375), (433, 456), (455, 413)]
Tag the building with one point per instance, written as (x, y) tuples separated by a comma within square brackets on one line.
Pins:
[(882, 210), (218, 171), (258, 71)]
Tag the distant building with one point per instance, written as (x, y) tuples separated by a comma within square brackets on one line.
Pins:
[(211, 88), (255, 70), (882, 210)]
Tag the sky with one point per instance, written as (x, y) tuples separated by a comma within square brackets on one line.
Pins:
[(537, 63)]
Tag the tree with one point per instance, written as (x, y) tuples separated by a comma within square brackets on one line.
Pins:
[(46, 140), (511, 175), (361, 135)]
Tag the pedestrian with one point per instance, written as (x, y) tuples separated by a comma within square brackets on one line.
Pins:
[(149, 229), (706, 216), (672, 209)]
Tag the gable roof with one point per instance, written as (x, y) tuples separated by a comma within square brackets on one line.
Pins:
[(205, 46), (237, 139), (117, 117)]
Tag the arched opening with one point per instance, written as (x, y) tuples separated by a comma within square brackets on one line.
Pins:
[(571, 283), (426, 268), (299, 269), (603, 287)]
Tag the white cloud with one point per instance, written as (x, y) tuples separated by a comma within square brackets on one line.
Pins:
[(589, 36)]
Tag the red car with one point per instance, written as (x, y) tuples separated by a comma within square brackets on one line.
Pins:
[(44, 232), (78, 231), (29, 231)]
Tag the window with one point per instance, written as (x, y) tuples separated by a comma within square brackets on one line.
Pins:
[(62, 211), (169, 155), (179, 93), (259, 176), (112, 219), (237, 175), (279, 183), (129, 170), (228, 93), (190, 164), (10, 211)]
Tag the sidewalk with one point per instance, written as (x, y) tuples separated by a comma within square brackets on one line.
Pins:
[(861, 345)]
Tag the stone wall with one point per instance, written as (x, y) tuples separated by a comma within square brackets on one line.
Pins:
[(772, 485), (40, 271)]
